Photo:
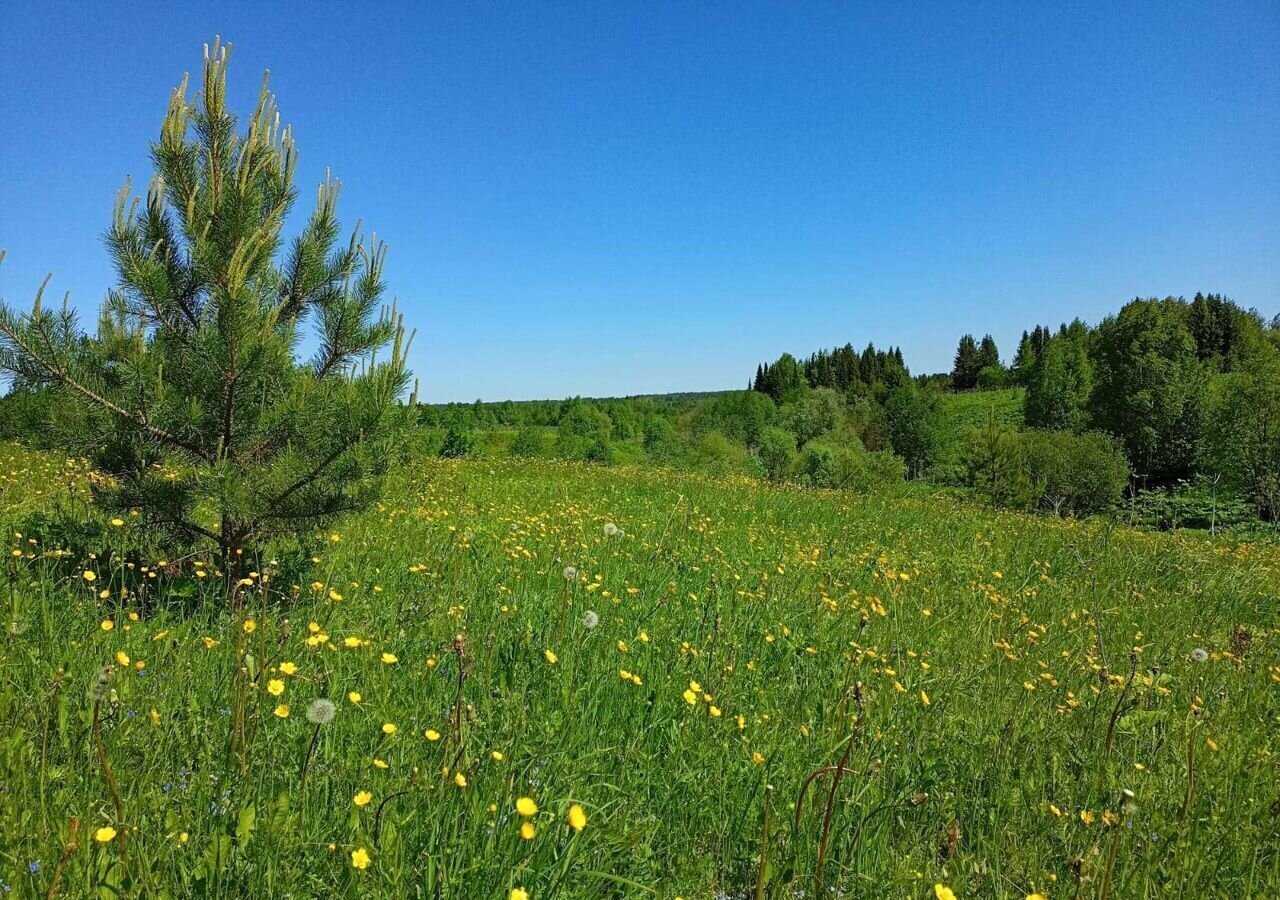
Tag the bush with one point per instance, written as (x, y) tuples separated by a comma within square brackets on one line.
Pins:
[(777, 452), (994, 378), (527, 443), (1076, 473), (600, 451), (718, 455), (661, 444), (585, 420), (826, 465), (458, 442)]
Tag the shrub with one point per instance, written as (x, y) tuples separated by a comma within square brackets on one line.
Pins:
[(994, 378), (587, 421), (458, 442), (600, 451), (661, 444), (715, 453), (1076, 473), (527, 443), (777, 452), (827, 465)]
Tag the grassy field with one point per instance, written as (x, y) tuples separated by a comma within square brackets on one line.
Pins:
[(554, 680)]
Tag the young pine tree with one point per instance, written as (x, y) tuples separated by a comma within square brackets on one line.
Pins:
[(215, 428)]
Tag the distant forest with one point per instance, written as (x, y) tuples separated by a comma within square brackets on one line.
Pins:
[(1167, 411)]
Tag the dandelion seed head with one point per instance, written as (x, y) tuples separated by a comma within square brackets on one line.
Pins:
[(570, 573), (101, 684), (321, 712), (590, 620), (1199, 655)]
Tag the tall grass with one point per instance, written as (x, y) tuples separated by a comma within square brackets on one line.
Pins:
[(960, 667)]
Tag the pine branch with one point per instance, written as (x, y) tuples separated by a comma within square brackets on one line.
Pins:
[(59, 374), (273, 505)]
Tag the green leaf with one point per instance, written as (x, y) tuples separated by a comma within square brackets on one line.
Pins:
[(244, 826)]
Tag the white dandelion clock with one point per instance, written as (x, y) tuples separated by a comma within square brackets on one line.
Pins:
[(321, 712)]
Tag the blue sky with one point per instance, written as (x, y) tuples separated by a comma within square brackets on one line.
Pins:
[(611, 198)]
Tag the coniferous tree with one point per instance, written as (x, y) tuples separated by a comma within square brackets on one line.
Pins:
[(1024, 359), (964, 373), (194, 361), (988, 353), (1039, 338), (786, 379)]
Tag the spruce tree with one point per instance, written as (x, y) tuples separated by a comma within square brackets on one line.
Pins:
[(213, 426), (964, 373), (988, 353), (1024, 359)]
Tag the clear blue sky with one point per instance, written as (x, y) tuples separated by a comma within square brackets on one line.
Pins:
[(609, 198)]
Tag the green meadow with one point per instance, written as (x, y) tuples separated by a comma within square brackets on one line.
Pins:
[(552, 679)]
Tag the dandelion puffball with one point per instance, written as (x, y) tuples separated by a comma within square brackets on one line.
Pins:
[(321, 712)]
